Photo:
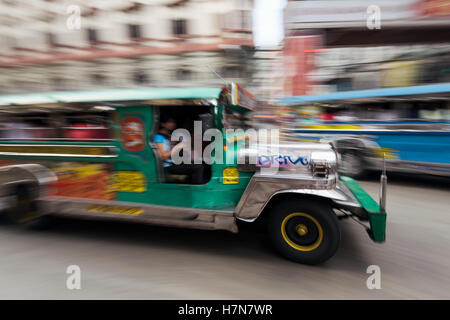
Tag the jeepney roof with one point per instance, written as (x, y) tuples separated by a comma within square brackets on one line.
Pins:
[(110, 95), (431, 90)]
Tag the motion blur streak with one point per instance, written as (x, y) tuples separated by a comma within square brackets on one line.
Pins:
[(370, 77)]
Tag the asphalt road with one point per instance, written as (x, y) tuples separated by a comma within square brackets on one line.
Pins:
[(126, 261)]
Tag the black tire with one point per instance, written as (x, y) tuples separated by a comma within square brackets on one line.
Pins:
[(352, 164), (304, 230)]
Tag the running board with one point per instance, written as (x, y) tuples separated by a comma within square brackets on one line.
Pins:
[(140, 213)]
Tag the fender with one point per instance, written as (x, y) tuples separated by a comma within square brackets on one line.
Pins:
[(262, 189), (38, 177)]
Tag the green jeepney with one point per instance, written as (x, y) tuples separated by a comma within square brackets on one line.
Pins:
[(91, 154)]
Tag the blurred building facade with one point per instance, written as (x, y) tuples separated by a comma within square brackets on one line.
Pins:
[(268, 77), (76, 45), (350, 45)]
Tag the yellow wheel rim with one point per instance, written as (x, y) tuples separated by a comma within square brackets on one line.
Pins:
[(302, 230)]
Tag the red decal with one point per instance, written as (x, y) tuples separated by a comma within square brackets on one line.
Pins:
[(132, 134)]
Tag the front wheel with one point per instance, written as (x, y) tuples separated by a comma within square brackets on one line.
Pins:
[(304, 230)]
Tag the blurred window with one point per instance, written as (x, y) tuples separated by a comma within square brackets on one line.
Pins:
[(92, 35), (97, 78), (183, 74), (140, 77), (29, 126), (185, 117), (231, 72), (134, 31), (85, 126), (58, 83), (51, 39), (55, 126), (245, 19), (237, 19), (179, 27), (436, 111)]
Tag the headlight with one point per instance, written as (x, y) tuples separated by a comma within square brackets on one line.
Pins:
[(323, 163)]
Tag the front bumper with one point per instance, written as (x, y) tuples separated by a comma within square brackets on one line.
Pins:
[(370, 208)]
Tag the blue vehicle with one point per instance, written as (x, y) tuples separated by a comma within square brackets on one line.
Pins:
[(409, 127)]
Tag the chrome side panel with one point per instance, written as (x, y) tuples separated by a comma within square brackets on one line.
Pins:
[(37, 176), (150, 214), (261, 189)]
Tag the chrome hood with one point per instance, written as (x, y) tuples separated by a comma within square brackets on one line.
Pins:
[(316, 159)]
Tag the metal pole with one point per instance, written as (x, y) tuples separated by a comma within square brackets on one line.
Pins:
[(383, 185)]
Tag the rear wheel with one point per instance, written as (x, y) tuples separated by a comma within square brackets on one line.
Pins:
[(25, 211), (304, 230)]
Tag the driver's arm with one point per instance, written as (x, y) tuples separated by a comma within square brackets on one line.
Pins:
[(163, 154)]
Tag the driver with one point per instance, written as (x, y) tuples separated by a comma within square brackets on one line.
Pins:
[(163, 145)]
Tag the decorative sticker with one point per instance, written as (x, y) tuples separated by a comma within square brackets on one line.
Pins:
[(81, 180), (128, 181), (112, 209), (230, 175), (283, 158), (132, 131)]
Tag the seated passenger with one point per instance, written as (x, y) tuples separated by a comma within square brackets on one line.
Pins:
[(163, 145)]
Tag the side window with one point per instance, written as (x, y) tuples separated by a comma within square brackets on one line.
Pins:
[(56, 126), (184, 118), (87, 126), (27, 127)]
